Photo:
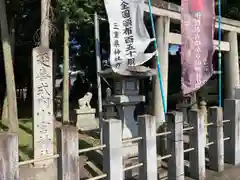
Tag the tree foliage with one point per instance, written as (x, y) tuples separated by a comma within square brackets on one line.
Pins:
[(79, 11)]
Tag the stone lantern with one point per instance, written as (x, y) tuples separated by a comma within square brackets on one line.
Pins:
[(125, 98)]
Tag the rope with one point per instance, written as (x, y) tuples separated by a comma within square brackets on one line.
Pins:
[(219, 56), (158, 58)]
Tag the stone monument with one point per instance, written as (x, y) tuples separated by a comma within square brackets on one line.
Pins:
[(43, 127), (126, 97), (86, 120)]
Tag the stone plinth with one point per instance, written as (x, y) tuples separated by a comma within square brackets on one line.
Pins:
[(86, 120)]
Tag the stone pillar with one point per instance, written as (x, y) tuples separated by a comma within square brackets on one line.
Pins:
[(231, 65), (175, 145), (67, 147), (147, 148), (9, 168), (43, 117), (112, 153), (204, 112), (197, 141), (232, 130), (216, 151), (162, 31)]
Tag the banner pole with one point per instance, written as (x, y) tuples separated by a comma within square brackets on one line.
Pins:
[(219, 56), (158, 58)]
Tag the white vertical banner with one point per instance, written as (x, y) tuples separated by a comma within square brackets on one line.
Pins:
[(128, 35)]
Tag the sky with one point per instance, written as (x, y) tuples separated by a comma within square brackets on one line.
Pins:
[(173, 48)]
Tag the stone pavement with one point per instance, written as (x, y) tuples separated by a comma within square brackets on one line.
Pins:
[(230, 173)]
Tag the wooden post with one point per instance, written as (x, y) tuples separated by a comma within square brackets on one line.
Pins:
[(197, 141), (9, 156), (147, 148), (216, 151), (232, 130), (113, 153), (175, 146), (67, 147)]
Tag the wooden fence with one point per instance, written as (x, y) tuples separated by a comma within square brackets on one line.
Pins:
[(223, 131)]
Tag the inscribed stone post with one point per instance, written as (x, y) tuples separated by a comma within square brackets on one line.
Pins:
[(42, 104)]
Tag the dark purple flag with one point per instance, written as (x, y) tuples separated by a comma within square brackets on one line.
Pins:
[(197, 29)]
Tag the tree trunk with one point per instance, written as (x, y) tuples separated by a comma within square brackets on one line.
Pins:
[(5, 102), (45, 5), (65, 108), (9, 73)]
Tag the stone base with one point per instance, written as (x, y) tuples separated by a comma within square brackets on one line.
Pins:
[(86, 120)]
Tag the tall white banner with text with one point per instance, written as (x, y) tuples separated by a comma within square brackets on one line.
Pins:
[(128, 35)]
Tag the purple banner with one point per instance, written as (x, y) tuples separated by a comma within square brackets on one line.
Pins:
[(197, 29)]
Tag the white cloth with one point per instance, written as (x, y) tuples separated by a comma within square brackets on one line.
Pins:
[(129, 37)]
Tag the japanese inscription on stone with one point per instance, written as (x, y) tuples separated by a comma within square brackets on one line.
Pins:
[(43, 102)]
